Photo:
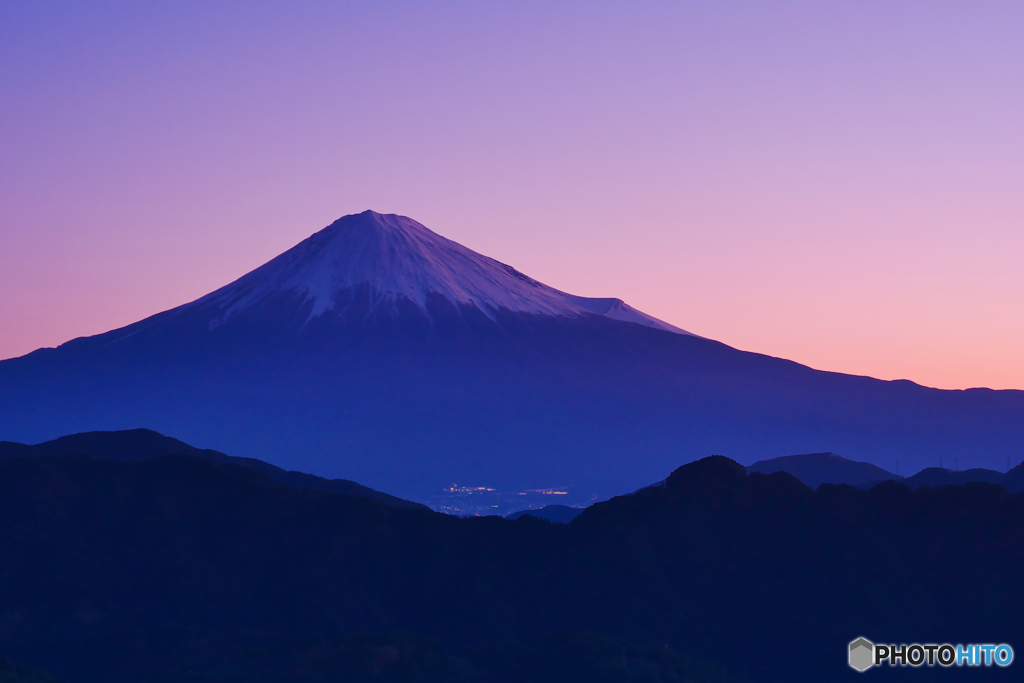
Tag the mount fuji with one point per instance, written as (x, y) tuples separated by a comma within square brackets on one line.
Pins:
[(372, 266), (379, 351)]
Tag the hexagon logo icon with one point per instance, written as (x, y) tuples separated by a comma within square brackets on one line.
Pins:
[(862, 654)]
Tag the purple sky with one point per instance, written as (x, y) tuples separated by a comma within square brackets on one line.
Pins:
[(839, 183)]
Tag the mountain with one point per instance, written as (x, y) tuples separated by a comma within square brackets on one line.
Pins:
[(815, 469), (380, 352), (559, 514), (383, 267), (178, 568), (136, 445), (937, 476), (1014, 479)]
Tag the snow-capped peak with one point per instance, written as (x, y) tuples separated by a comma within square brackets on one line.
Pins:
[(398, 257)]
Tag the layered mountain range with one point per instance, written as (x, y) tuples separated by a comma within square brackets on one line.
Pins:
[(179, 568), (381, 352)]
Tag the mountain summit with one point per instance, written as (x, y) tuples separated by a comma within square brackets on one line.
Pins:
[(373, 265), (379, 352)]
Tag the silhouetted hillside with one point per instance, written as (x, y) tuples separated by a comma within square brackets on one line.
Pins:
[(134, 445), (117, 571), (561, 658), (1014, 479), (937, 476), (815, 469), (12, 673), (559, 514)]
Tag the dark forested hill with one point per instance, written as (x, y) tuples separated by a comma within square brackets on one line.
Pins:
[(815, 469), (559, 514), (133, 445), (114, 571)]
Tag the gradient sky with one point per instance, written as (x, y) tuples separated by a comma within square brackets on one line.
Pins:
[(839, 183)]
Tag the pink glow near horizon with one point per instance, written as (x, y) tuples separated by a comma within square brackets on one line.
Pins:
[(835, 183)]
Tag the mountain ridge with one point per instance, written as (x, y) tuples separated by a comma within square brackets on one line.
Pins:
[(120, 571), (815, 469), (409, 401), (138, 445)]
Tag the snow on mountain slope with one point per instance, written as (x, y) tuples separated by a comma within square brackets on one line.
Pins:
[(617, 309), (398, 257)]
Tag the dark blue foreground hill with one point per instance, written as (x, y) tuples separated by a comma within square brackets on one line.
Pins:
[(815, 469), (127, 571), (379, 352), (559, 514), (1012, 481), (136, 445)]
